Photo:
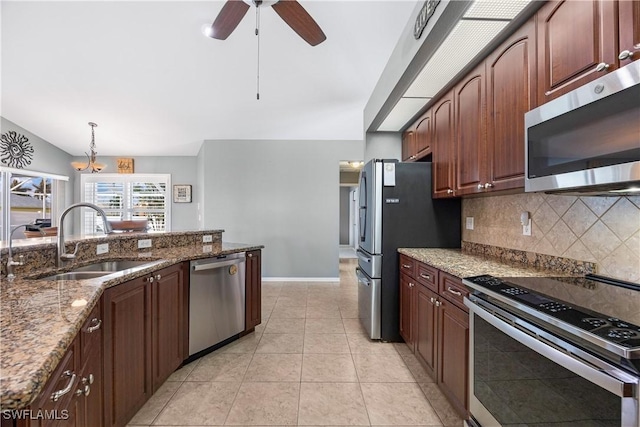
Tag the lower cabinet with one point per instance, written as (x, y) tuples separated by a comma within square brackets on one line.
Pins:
[(72, 397), (435, 325), (144, 327), (253, 290), (127, 349)]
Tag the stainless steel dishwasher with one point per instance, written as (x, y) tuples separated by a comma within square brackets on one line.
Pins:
[(216, 300)]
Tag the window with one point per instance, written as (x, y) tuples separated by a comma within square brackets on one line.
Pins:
[(127, 197), (29, 197)]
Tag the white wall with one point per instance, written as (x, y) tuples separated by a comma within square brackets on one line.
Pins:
[(282, 194), (383, 145)]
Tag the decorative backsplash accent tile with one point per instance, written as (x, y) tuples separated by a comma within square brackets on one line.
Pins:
[(601, 230)]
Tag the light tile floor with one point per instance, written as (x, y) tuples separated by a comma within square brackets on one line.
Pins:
[(308, 363)]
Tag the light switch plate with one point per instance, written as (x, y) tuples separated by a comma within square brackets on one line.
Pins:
[(207, 238), (469, 223), (144, 243), (526, 229), (102, 248)]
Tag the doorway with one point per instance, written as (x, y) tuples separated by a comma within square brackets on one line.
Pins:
[(349, 180)]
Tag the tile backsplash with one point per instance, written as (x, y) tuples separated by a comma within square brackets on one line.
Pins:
[(604, 230)]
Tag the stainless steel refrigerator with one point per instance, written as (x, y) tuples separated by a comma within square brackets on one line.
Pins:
[(396, 210)]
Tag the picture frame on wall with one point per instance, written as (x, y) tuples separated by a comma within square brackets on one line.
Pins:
[(181, 193)]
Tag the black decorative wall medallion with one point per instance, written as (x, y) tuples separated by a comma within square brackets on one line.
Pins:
[(15, 150)]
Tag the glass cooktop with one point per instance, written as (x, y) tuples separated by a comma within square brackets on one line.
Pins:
[(607, 328)]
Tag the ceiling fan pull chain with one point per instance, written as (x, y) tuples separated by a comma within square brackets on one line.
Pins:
[(258, 35)]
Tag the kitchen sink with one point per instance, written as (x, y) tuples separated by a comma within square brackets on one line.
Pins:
[(76, 275), (100, 269), (111, 266)]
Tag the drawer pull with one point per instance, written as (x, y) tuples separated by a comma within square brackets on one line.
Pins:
[(438, 303), (432, 299), (425, 276), (453, 291), (96, 325), (603, 66), (411, 285), (406, 265), (55, 396)]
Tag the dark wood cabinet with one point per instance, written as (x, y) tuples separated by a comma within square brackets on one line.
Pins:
[(434, 323), (127, 349), (511, 92), (253, 289), (425, 327), (422, 136), (408, 146), (453, 357), (629, 31), (574, 38), (443, 138), (90, 389), (168, 293), (470, 125), (406, 309)]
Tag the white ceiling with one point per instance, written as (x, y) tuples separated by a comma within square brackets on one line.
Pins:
[(156, 86)]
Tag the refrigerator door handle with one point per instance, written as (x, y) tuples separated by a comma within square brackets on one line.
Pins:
[(362, 278)]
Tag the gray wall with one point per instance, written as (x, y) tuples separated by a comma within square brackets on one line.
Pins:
[(282, 194), (183, 170), (344, 215), (383, 145)]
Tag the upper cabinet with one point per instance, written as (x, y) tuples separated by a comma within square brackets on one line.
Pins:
[(443, 137), (629, 28), (408, 146), (576, 44), (511, 92), (470, 126), (416, 141)]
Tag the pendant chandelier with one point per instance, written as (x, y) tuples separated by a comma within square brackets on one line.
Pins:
[(92, 164)]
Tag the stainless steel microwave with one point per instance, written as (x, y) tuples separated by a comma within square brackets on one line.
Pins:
[(588, 140)]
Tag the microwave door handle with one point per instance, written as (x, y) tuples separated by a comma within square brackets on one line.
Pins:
[(577, 366)]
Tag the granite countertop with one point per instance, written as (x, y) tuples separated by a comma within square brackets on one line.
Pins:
[(556, 280), (39, 319), (461, 264)]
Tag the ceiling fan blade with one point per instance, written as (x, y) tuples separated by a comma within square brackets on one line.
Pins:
[(228, 19), (300, 21)]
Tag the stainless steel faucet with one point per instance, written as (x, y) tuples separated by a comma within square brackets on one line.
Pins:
[(10, 262), (62, 255)]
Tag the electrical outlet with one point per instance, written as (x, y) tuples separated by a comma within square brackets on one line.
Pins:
[(207, 238), (144, 243), (469, 223), (526, 229), (102, 248), (207, 248)]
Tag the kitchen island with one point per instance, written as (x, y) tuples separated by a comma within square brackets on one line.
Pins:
[(39, 319)]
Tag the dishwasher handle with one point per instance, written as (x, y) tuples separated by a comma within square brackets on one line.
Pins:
[(214, 265)]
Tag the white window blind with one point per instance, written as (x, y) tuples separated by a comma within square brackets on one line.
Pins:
[(127, 197)]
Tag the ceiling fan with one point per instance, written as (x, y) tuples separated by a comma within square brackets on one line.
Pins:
[(290, 11)]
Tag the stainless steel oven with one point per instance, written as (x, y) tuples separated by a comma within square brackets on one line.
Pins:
[(524, 372)]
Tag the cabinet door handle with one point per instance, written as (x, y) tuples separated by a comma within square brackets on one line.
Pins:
[(96, 325), (480, 186), (603, 66), (425, 276), (406, 265), (449, 191), (150, 279), (488, 185), (437, 303), (158, 277), (453, 291), (250, 255), (411, 285), (56, 395), (432, 300), (625, 54)]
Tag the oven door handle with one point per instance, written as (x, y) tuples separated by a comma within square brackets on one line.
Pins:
[(621, 388)]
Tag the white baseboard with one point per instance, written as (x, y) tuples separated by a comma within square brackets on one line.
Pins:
[(301, 279)]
